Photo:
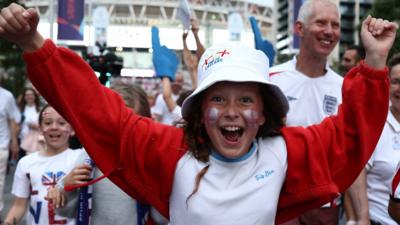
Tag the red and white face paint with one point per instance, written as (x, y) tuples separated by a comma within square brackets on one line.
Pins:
[(232, 115), (56, 131)]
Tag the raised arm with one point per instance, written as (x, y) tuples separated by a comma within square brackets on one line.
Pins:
[(325, 159), (134, 152), (195, 29)]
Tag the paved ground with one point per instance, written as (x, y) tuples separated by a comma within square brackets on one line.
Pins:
[(8, 197)]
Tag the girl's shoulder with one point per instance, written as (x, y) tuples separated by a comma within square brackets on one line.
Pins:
[(275, 145)]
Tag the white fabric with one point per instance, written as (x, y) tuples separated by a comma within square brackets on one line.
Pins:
[(3, 168), (34, 175), (160, 109), (310, 99), (230, 189), (380, 169), (30, 116), (396, 192), (8, 111), (235, 62)]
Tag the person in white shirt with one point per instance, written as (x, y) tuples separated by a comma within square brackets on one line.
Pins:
[(29, 107), (9, 119), (373, 185), (160, 109), (38, 171), (312, 88)]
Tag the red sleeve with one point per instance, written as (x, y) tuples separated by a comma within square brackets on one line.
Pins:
[(136, 153), (325, 159)]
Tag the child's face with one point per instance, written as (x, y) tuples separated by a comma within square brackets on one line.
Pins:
[(232, 115), (55, 129)]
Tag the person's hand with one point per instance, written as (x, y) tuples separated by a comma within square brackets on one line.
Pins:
[(79, 175), (377, 36), (195, 26), (261, 44), (55, 196), (165, 61), (14, 149), (19, 25)]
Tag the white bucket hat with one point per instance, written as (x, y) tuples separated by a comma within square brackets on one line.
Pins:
[(235, 62)]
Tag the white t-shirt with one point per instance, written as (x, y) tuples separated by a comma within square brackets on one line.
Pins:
[(30, 116), (310, 99), (160, 109), (34, 175), (380, 169), (231, 188), (8, 110)]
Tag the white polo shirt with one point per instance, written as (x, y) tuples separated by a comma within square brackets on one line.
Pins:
[(310, 99), (380, 169), (8, 110)]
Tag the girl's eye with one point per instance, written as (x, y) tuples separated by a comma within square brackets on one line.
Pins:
[(246, 100), (216, 99)]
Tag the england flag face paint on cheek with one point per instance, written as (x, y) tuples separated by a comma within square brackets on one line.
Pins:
[(211, 116), (251, 118)]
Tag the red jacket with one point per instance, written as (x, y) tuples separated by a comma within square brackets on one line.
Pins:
[(140, 155)]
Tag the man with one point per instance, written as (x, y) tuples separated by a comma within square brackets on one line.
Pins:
[(351, 57), (9, 119), (311, 86), (160, 109)]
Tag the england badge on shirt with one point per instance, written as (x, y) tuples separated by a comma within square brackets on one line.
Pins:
[(330, 104)]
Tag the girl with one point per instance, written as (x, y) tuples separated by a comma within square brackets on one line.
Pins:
[(41, 170), (29, 107), (234, 163)]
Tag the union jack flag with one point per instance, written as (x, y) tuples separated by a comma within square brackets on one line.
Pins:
[(50, 178)]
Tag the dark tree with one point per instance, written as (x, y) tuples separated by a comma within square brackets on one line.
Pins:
[(11, 61), (390, 10)]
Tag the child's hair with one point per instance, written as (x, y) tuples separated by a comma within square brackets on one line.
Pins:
[(134, 97), (22, 102), (199, 142), (184, 94), (394, 61), (41, 113)]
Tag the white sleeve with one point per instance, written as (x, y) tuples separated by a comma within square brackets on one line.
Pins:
[(13, 110), (21, 184)]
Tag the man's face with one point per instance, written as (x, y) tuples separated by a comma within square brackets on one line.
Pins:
[(177, 84), (349, 59), (395, 87), (321, 31)]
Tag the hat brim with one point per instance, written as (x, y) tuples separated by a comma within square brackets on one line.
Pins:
[(231, 75)]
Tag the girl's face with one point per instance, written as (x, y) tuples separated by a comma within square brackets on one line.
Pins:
[(395, 87), (232, 114), (29, 97), (56, 130)]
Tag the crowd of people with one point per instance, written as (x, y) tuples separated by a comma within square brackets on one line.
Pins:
[(249, 143)]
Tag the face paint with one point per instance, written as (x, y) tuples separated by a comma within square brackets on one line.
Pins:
[(251, 118), (211, 116), (46, 113)]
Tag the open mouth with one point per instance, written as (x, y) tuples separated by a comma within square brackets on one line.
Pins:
[(232, 133), (54, 136)]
